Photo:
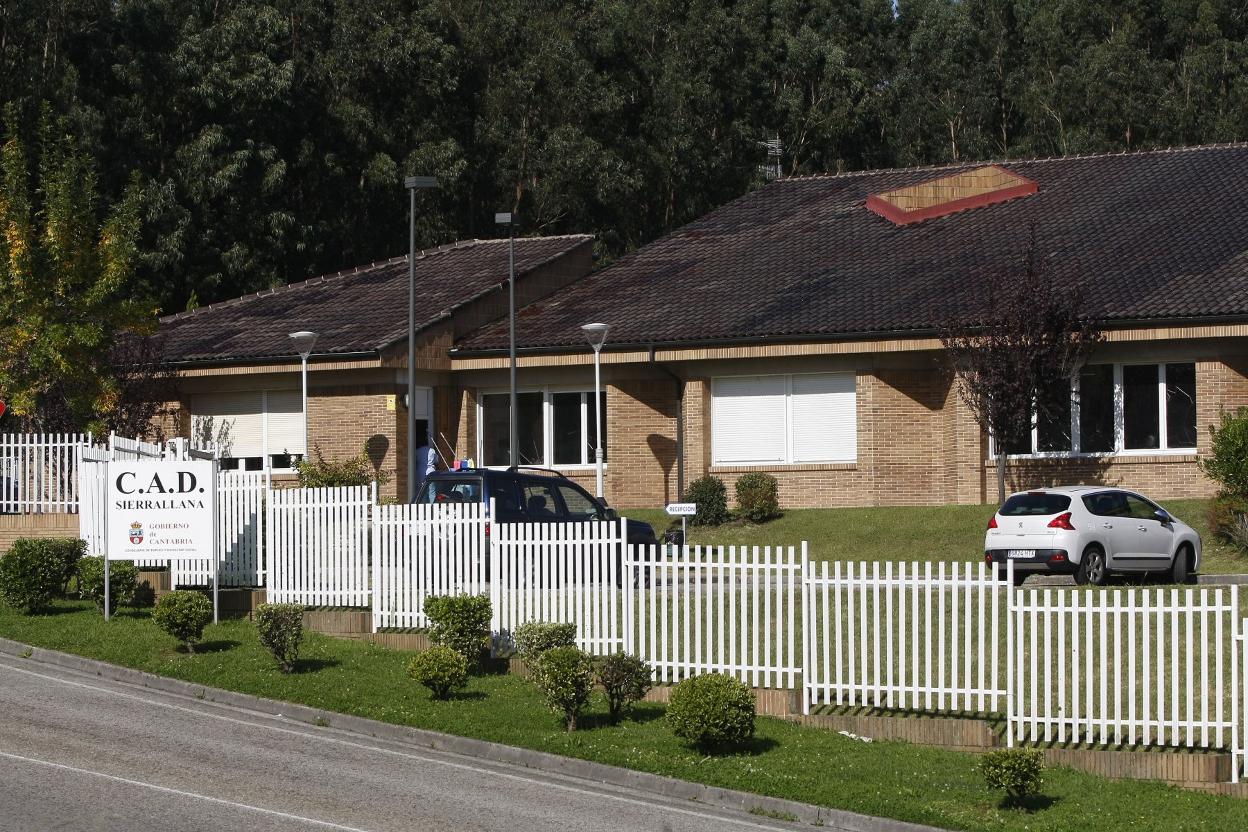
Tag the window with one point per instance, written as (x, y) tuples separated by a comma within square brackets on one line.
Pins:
[(556, 428), (1122, 408), (1038, 504), (254, 429), (579, 505), (539, 501), (790, 419)]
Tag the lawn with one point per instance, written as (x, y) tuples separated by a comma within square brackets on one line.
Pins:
[(889, 779), (909, 533)]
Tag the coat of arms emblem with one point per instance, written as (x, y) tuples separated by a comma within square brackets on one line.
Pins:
[(136, 532)]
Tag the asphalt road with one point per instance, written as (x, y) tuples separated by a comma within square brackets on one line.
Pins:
[(81, 753)]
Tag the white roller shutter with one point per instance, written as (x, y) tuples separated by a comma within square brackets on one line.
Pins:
[(824, 418), (233, 420), (285, 422), (748, 420)]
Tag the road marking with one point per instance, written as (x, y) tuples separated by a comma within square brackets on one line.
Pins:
[(402, 754), (181, 793)]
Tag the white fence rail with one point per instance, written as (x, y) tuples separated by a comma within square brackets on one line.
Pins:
[(733, 610), (422, 550), (39, 472), (317, 542), (123, 449), (93, 496), (907, 636), (567, 572)]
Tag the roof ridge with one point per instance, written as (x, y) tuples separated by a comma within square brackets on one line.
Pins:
[(357, 270), (1018, 160)]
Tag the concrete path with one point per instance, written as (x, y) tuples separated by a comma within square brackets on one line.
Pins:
[(78, 752)]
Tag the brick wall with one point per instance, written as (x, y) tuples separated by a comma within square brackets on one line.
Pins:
[(344, 422), (14, 526)]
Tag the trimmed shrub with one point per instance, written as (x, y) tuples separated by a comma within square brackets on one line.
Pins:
[(67, 550), (758, 497), (565, 676), (1017, 771), (123, 581), (460, 622), (315, 471), (31, 573), (1226, 516), (184, 615), (533, 638), (712, 499), (280, 629), (1227, 460), (440, 669), (711, 712), (626, 679)]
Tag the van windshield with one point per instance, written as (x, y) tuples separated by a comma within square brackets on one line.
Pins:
[(458, 490), (1038, 504)]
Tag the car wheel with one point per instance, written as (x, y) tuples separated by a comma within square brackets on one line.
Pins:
[(1092, 568), (1179, 569)]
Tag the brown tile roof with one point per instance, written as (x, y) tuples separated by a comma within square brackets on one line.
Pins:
[(1154, 235), (358, 311)]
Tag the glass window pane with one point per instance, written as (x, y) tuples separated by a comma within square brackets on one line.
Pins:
[(1180, 405), (1053, 429), (1140, 400), (567, 429), (496, 431), (1096, 409), (1140, 509), (580, 507), (591, 427), (539, 502)]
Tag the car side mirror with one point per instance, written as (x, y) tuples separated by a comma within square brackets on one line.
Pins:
[(610, 514), (1162, 517)]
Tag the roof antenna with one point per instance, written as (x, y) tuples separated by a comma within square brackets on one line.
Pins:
[(771, 170)]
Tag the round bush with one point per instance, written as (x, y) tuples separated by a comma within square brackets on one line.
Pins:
[(460, 622), (712, 711), (184, 615), (123, 581), (712, 499), (1227, 460), (625, 678), (31, 573), (440, 669), (565, 676), (758, 497), (533, 638), (280, 629), (1017, 771)]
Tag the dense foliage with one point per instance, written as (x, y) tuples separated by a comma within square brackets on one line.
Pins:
[(280, 630), (625, 679), (270, 138), (183, 614), (1016, 771), (440, 669), (758, 497), (533, 638), (565, 676), (460, 622), (712, 711), (319, 472), (31, 574), (711, 497), (123, 581)]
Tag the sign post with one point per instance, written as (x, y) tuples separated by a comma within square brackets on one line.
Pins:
[(682, 510), (161, 510)]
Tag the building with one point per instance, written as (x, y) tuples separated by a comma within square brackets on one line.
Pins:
[(793, 331)]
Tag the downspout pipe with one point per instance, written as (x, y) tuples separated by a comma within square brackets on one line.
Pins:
[(680, 423)]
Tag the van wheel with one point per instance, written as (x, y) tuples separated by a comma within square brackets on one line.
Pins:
[(1092, 568), (1182, 562)]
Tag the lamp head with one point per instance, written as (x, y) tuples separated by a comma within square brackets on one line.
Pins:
[(304, 341), (502, 218), (596, 334), (415, 182)]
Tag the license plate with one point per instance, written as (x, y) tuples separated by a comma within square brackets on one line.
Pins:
[(1019, 554)]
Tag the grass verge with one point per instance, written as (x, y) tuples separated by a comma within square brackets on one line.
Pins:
[(888, 779), (909, 533)]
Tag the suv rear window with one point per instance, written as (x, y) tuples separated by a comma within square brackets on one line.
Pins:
[(1035, 505), (458, 490)]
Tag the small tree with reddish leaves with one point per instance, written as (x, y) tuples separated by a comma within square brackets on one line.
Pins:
[(1010, 353)]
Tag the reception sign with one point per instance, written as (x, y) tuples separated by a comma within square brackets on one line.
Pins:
[(161, 510)]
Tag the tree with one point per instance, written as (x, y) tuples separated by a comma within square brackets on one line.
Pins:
[(1014, 353), (66, 267)]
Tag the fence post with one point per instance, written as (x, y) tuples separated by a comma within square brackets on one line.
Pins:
[(488, 530), (1010, 699), (807, 642)]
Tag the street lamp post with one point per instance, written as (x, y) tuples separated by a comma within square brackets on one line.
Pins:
[(304, 341), (413, 184), (596, 334), (506, 219)]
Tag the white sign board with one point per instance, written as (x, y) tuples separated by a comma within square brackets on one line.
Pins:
[(161, 510), (682, 509)]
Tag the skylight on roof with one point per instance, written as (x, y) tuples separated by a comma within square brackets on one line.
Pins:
[(949, 194)]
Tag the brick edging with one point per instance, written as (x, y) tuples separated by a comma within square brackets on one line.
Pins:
[(713, 796)]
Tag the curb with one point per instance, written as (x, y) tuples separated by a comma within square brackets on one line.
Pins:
[(712, 796)]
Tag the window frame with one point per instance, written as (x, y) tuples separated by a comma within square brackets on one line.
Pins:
[(548, 425), (239, 463), (1119, 400), (789, 456)]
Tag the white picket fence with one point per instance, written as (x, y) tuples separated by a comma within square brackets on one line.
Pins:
[(39, 472), (421, 550), (317, 543)]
